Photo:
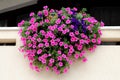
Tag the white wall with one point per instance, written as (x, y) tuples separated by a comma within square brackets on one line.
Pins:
[(103, 64)]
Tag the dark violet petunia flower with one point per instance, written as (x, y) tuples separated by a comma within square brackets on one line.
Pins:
[(76, 23), (73, 12), (40, 15), (83, 26), (59, 15), (75, 27)]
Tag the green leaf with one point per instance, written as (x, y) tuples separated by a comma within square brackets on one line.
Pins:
[(95, 29), (52, 21), (84, 10), (79, 16), (63, 9), (36, 57), (66, 51), (26, 24), (38, 63)]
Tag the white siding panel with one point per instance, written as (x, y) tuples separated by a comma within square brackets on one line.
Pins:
[(103, 64)]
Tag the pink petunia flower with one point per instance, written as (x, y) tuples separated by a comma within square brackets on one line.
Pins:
[(58, 21), (36, 69), (52, 10), (42, 32), (70, 46), (63, 17), (46, 36), (82, 53), (65, 70), (94, 46), (72, 26), (20, 31), (51, 60), (71, 50), (62, 25), (32, 21), (41, 23), (57, 72), (89, 28), (69, 53), (35, 35), (47, 68), (102, 24), (49, 54), (44, 55), (81, 41), (45, 7), (60, 64), (50, 64), (29, 45), (34, 46), (47, 21), (68, 21), (94, 35), (45, 40), (39, 51), (70, 12), (43, 61), (77, 32), (59, 52), (60, 29), (39, 58), (46, 44), (27, 32), (58, 39), (67, 9), (21, 23), (67, 30), (71, 34), (52, 43), (45, 12), (79, 47), (84, 59), (65, 46), (99, 31), (64, 32), (76, 56), (39, 13), (59, 58), (93, 40), (75, 9), (60, 12), (98, 41), (64, 56), (40, 45), (55, 68), (84, 14), (91, 49), (82, 35), (39, 39), (70, 62), (61, 43), (56, 43), (73, 39), (32, 14)]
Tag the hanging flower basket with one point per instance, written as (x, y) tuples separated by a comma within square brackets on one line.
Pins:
[(55, 38)]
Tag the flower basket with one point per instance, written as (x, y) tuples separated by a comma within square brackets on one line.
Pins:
[(54, 39)]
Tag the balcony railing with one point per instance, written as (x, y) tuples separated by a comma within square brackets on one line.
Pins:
[(103, 64)]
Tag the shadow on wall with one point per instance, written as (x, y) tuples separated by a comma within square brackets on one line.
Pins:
[(107, 12)]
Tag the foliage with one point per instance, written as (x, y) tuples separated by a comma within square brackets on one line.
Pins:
[(55, 38)]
